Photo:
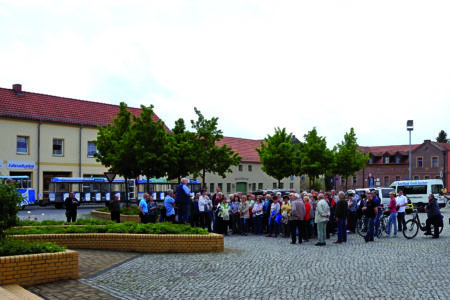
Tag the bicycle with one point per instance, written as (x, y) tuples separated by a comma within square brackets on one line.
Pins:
[(361, 226), (413, 225), (382, 227)]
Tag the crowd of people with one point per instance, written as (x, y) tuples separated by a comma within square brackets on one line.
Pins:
[(301, 217)]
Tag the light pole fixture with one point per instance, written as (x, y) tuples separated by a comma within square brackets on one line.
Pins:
[(410, 127)]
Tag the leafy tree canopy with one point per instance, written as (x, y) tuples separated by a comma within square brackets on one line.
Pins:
[(277, 154), (442, 137)]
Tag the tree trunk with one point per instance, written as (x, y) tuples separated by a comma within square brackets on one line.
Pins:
[(148, 185), (346, 181), (126, 191), (203, 179)]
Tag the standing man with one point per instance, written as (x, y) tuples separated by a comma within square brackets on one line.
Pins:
[(71, 207), (169, 204), (114, 207), (143, 209), (183, 201), (341, 218), (371, 212), (434, 216), (402, 201), (296, 218), (377, 218), (322, 215)]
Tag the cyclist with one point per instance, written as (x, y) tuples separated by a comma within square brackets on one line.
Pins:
[(434, 216)]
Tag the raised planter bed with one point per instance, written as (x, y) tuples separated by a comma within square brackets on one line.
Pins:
[(147, 243), (123, 218), (38, 268)]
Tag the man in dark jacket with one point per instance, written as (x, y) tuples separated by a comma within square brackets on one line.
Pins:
[(71, 207), (183, 201), (434, 216), (341, 214), (114, 207)]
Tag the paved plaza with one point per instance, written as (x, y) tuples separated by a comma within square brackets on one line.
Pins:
[(255, 267)]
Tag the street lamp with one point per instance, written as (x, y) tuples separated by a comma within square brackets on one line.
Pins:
[(410, 127)]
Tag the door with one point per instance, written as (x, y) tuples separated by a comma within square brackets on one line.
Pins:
[(241, 187)]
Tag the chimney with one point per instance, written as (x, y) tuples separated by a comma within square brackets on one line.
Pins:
[(427, 141), (17, 88)]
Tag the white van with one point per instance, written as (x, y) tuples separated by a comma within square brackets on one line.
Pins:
[(418, 190)]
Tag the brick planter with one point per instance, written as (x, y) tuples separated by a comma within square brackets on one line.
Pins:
[(123, 218), (148, 243), (38, 268)]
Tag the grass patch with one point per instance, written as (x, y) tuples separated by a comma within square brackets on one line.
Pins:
[(131, 210), (10, 246), (127, 227)]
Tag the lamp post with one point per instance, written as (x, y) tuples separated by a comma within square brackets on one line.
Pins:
[(410, 127)]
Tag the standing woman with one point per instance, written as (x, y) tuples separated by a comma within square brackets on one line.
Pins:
[(223, 216), (321, 219), (244, 214), (392, 208), (306, 225), (258, 215), (285, 213), (204, 207), (235, 217)]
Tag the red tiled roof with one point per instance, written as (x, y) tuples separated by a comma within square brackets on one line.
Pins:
[(34, 106), (245, 147), (391, 150), (443, 146)]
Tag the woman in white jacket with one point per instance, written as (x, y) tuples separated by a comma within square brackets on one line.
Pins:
[(321, 218), (204, 207)]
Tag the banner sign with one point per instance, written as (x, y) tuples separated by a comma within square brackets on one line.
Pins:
[(20, 164)]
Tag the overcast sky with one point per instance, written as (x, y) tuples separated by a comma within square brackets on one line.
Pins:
[(257, 65)]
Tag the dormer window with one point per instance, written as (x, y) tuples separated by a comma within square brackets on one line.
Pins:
[(386, 159)]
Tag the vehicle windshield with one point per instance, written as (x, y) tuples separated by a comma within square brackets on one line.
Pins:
[(413, 189), (385, 192), (436, 188)]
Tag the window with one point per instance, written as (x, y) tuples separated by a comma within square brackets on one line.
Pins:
[(434, 162), (386, 159), (397, 159), (436, 188), (386, 180), (426, 177), (58, 147), (437, 177), (281, 185), (92, 148), (211, 187), (220, 186), (291, 185), (260, 186), (371, 159), (228, 187), (274, 185), (22, 145), (416, 177), (240, 168), (342, 181), (419, 163), (253, 187), (354, 181), (250, 168), (397, 178)]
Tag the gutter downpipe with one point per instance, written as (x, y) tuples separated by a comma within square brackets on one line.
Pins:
[(39, 160), (79, 166)]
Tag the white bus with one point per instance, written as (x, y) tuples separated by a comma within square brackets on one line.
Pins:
[(418, 190)]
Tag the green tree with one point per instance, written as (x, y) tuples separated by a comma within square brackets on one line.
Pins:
[(315, 158), (211, 158), (348, 158), (151, 145), (115, 145), (277, 155), (442, 137), (10, 200), (183, 150)]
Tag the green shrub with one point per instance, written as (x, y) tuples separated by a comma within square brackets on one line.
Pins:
[(131, 211), (10, 246), (10, 200), (127, 227), (80, 221)]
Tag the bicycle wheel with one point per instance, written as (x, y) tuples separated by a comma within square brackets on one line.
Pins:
[(361, 227), (440, 228), (411, 229), (381, 227)]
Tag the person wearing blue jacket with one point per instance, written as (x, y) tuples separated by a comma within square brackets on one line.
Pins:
[(434, 216), (183, 201)]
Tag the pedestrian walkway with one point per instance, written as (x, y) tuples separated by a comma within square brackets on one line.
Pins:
[(254, 267)]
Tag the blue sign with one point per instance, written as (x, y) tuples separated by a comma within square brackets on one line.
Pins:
[(20, 164)]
